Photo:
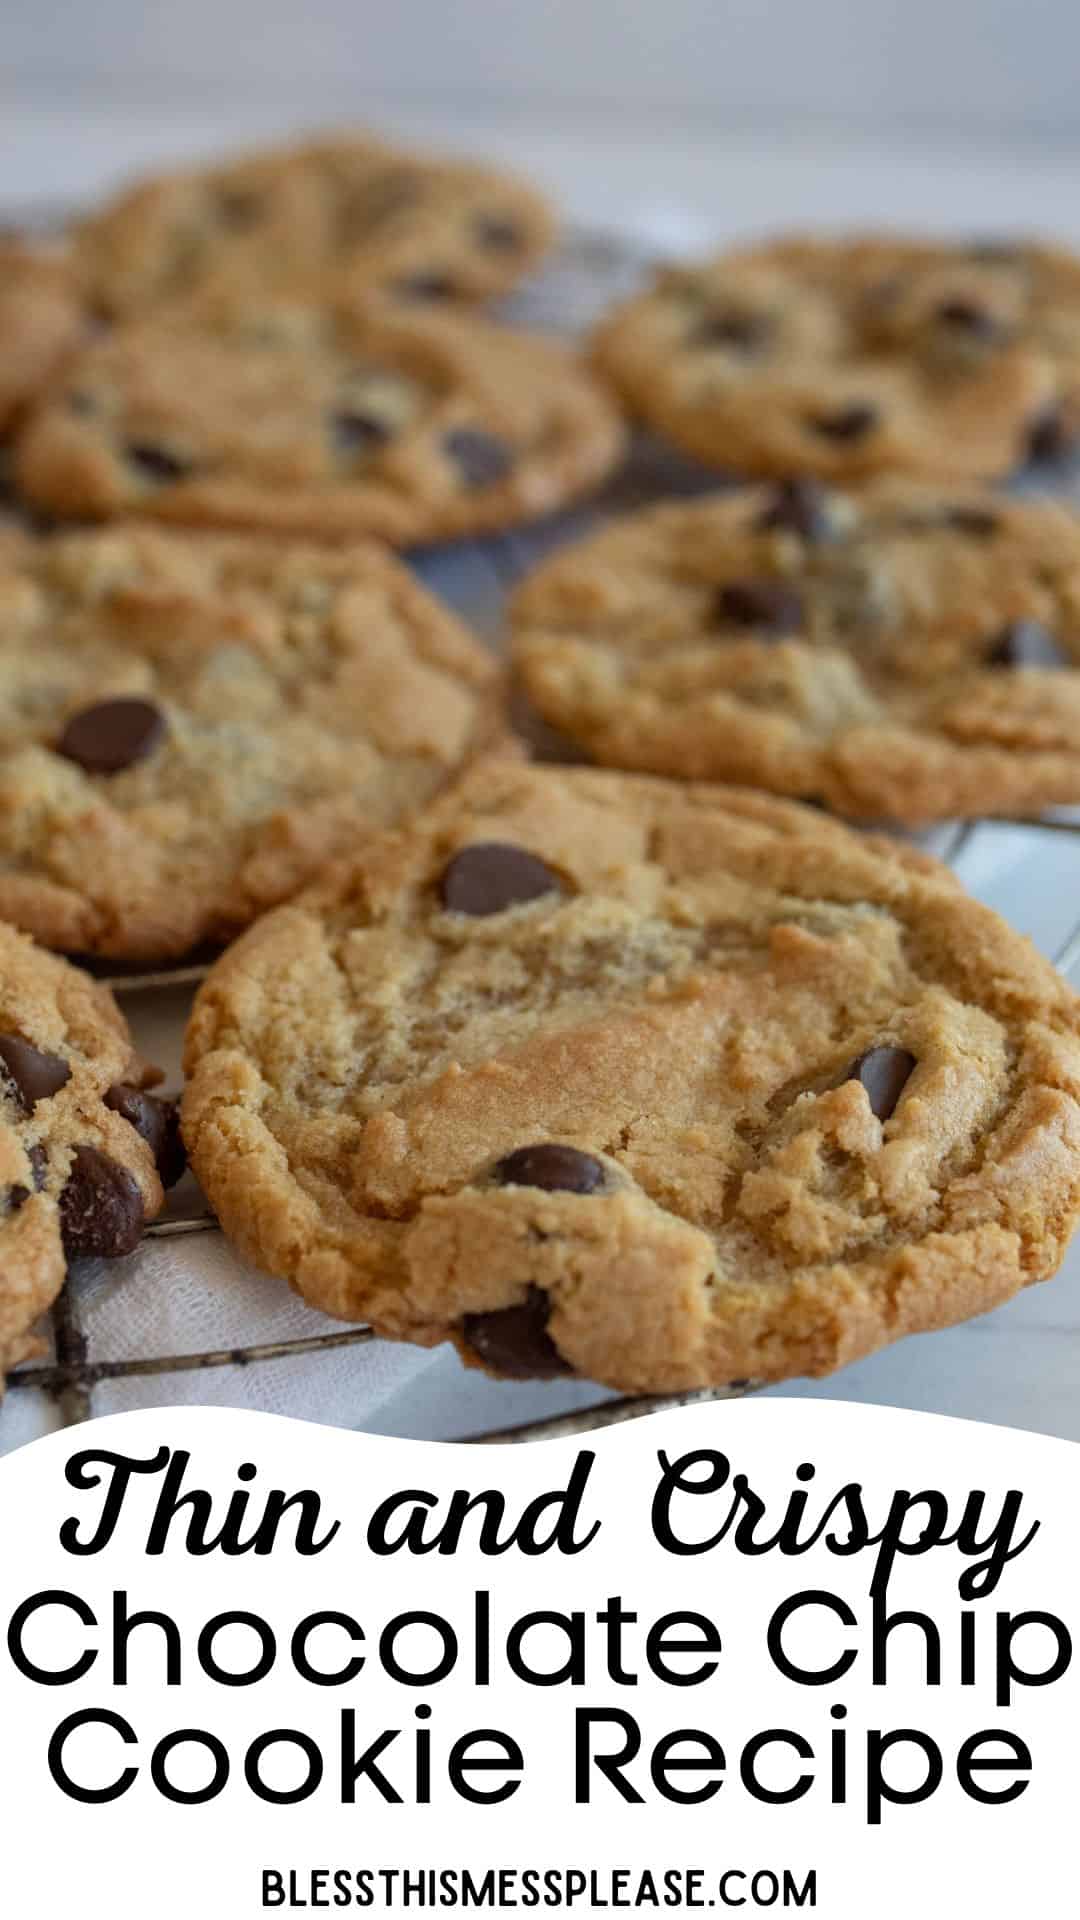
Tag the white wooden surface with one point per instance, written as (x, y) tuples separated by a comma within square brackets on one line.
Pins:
[(1020, 1366)]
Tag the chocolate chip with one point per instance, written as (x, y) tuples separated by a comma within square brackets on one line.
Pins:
[(884, 1073), (356, 432), (240, 207), (1025, 643), (30, 1074), (766, 605), (515, 1341), (156, 463), (111, 736), (426, 286), (800, 507), (498, 233), (744, 332), (968, 318), (81, 403), (1049, 439), (493, 875), (101, 1209), (551, 1167), (39, 1167), (851, 422), (158, 1121), (479, 457), (978, 522)]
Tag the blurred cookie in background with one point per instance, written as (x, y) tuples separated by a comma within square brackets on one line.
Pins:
[(847, 358), (419, 228), (42, 319), (305, 412), (909, 652), (192, 728)]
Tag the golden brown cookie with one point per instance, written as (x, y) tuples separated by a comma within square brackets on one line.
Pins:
[(662, 1085), (191, 728), (418, 228), (306, 414), (41, 321), (911, 653), (84, 1147), (846, 358)]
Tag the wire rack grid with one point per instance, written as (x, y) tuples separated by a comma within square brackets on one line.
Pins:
[(588, 272)]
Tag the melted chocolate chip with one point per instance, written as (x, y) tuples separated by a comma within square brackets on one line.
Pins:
[(498, 233), (766, 605), (515, 1341), (158, 1121), (39, 1167), (884, 1073), (852, 422), (1025, 643), (551, 1167), (978, 522), (968, 318), (356, 432), (156, 463), (1049, 439), (427, 286), (800, 507), (743, 332), (240, 207), (29, 1074), (111, 736), (480, 459), (493, 875), (101, 1209)]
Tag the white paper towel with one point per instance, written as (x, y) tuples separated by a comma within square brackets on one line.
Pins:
[(191, 1294)]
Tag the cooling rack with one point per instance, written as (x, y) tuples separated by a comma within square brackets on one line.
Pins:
[(1001, 860)]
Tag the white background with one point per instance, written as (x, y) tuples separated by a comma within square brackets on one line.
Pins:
[(142, 1855), (993, 64)]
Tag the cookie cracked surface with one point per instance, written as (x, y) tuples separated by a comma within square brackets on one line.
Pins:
[(84, 1146), (908, 653), (308, 413), (663, 1085), (191, 728), (411, 226), (851, 357)]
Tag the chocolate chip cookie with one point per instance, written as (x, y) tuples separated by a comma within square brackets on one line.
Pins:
[(191, 728), (85, 1148), (851, 357), (910, 653), (41, 320), (311, 415), (658, 1084), (416, 228)]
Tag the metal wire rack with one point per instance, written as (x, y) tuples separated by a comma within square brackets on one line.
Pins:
[(590, 270)]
